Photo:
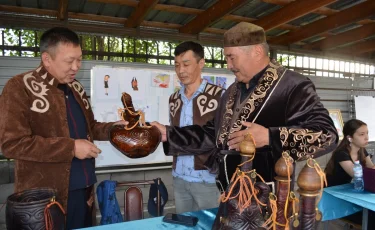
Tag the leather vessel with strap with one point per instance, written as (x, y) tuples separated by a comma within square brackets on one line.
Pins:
[(244, 202), (137, 139), (34, 209)]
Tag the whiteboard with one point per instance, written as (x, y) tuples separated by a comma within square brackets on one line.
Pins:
[(365, 111), (154, 86)]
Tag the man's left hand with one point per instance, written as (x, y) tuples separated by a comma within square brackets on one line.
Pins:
[(121, 122), (259, 133)]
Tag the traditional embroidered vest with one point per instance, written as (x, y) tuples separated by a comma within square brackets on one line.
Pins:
[(204, 107), (232, 116)]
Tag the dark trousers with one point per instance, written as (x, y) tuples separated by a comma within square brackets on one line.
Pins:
[(79, 213)]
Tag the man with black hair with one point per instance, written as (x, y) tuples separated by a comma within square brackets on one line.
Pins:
[(195, 103), (47, 126)]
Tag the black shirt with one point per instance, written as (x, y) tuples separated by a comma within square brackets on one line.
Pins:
[(82, 172), (245, 92), (339, 175)]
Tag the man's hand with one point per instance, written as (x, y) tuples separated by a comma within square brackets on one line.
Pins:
[(121, 122), (260, 135), (85, 149), (162, 130)]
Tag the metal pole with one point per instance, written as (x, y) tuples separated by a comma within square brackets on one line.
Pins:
[(158, 199)]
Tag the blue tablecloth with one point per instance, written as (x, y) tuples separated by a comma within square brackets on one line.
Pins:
[(205, 220), (343, 200), (336, 202)]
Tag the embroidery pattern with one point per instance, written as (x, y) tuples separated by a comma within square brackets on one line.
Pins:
[(227, 117), (208, 106), (79, 89), (174, 106), (38, 89), (255, 100), (258, 95), (303, 142), (204, 106)]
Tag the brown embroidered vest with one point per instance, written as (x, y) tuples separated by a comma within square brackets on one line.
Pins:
[(204, 107)]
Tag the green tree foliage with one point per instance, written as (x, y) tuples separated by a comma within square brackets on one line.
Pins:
[(11, 38), (106, 48)]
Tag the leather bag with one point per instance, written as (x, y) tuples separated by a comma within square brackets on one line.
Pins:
[(34, 209), (137, 139)]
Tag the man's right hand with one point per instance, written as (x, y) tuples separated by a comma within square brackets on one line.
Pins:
[(162, 130), (85, 149)]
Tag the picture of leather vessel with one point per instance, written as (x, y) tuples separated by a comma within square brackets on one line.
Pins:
[(136, 139), (34, 209)]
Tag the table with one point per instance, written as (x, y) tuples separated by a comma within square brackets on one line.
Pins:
[(336, 202), (342, 200), (206, 219)]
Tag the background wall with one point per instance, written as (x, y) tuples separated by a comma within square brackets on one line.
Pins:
[(335, 93)]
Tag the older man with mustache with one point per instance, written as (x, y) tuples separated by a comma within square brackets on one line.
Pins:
[(279, 107)]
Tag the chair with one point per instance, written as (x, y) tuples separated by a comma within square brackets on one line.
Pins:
[(133, 199)]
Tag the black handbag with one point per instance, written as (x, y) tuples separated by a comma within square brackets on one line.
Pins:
[(34, 209)]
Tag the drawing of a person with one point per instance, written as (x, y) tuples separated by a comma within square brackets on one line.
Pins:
[(106, 77)]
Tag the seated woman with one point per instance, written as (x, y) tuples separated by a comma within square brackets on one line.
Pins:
[(339, 169)]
